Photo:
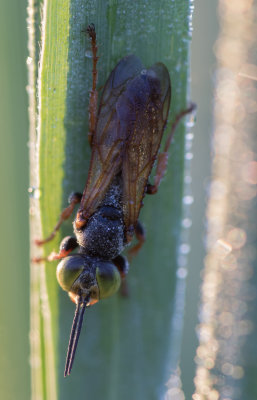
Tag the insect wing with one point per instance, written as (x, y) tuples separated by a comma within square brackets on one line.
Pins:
[(110, 137), (150, 94)]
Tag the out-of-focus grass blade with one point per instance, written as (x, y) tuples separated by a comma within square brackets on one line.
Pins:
[(226, 355)]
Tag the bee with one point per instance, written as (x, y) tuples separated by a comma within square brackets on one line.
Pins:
[(125, 134)]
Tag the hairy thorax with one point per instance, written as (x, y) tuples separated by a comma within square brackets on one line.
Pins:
[(103, 235)]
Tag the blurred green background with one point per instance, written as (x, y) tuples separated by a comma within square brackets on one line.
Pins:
[(14, 301), (14, 167), (203, 63)]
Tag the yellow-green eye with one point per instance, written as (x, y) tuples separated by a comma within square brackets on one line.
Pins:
[(108, 279), (68, 270)]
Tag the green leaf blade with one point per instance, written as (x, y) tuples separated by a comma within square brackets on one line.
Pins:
[(125, 342)]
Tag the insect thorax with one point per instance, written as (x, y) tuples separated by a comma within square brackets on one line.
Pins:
[(103, 235)]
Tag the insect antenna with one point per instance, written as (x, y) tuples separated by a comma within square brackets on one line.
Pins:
[(75, 333)]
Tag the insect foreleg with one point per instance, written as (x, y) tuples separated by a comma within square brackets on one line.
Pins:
[(68, 244)]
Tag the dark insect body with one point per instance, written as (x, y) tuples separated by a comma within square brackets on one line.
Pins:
[(125, 136)]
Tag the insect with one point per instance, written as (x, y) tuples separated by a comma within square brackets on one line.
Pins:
[(125, 135)]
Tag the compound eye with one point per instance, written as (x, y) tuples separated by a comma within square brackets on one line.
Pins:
[(68, 270), (108, 279)]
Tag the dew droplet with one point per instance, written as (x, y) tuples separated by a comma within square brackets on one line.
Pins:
[(188, 200), (184, 248), (34, 192), (189, 136), (88, 54), (182, 273), (191, 121), (189, 156), (186, 223), (29, 60)]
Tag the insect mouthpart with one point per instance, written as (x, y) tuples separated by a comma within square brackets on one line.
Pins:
[(82, 303)]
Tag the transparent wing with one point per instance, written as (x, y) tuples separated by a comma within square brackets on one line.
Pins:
[(112, 132), (132, 115), (149, 96)]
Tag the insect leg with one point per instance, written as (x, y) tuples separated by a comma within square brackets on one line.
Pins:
[(93, 92), (163, 156), (122, 264), (140, 235), (74, 199), (68, 244)]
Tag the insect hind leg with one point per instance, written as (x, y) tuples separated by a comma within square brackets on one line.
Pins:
[(163, 156)]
